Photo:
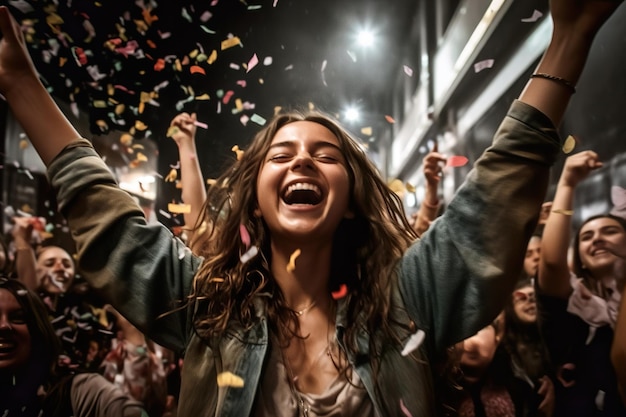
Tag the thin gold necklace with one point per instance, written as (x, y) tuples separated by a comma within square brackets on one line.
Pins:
[(299, 313)]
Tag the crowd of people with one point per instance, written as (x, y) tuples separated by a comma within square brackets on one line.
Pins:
[(329, 301)]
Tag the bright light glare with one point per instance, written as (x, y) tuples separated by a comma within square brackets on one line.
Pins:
[(352, 114), (365, 37)]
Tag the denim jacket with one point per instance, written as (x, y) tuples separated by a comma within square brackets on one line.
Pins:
[(450, 284)]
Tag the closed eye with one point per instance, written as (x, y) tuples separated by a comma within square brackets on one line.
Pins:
[(280, 158)]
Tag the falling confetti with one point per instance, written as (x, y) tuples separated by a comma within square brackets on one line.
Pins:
[(413, 343), (250, 253), (238, 152), (482, 65), (390, 119), (228, 379), (569, 144), (367, 131), (535, 16), (340, 293), (179, 208), (245, 236), (456, 161), (291, 266), (252, 63), (408, 70)]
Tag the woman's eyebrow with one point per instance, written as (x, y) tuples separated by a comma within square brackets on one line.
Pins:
[(316, 145)]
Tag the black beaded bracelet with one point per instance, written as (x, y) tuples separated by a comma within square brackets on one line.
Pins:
[(554, 78)]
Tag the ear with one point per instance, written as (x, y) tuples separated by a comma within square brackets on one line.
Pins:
[(257, 213)]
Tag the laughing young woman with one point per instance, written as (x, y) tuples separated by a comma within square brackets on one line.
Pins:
[(313, 297)]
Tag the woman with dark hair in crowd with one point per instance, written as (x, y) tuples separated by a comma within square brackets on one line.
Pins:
[(31, 383), (578, 309)]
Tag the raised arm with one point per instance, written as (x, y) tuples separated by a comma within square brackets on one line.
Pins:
[(25, 261), (554, 272), (430, 205), (183, 132), (45, 125), (576, 23)]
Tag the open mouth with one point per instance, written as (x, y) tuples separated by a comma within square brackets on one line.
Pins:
[(6, 346), (302, 193)]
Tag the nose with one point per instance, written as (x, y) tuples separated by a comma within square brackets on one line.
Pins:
[(5, 324), (303, 161)]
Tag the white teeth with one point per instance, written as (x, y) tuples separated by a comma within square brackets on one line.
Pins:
[(303, 186)]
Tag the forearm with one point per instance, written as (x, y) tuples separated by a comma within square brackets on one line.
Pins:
[(26, 264), (564, 58), (428, 209), (553, 267), (193, 189), (43, 122)]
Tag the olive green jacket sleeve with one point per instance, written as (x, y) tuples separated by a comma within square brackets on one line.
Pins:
[(143, 270)]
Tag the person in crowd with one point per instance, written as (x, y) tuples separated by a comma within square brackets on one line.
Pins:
[(533, 254), (31, 383), (183, 132), (312, 290), (133, 365), (530, 362), (579, 309), (74, 309), (433, 168)]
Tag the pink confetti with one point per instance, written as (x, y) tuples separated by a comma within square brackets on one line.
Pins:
[(405, 410), (275, 3), (252, 63), (242, 83), (206, 16), (201, 124), (228, 96), (456, 161), (408, 70), (479, 66), (214, 2), (245, 236)]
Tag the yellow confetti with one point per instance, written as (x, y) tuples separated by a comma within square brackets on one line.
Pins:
[(171, 131), (179, 208), (126, 139), (238, 152), (99, 104), (119, 109), (228, 379), (367, 131), (171, 177), (62, 61), (311, 106), (212, 57), (23, 144), (277, 110), (230, 42), (410, 187), (239, 104), (139, 125), (138, 146), (193, 53), (204, 96), (211, 181), (141, 157), (110, 89), (396, 186), (569, 144), (291, 266)]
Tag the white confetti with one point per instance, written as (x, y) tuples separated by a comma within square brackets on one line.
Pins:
[(414, 342), (251, 253), (536, 16), (481, 65)]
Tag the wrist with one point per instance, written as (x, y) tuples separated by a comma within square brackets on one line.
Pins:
[(431, 204)]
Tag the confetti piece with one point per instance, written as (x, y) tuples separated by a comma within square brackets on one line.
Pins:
[(291, 266), (165, 214), (289, 67), (245, 236), (352, 55), (252, 63), (267, 61), (230, 42), (482, 65), (258, 119), (366, 131), (323, 74), (228, 379), (405, 410), (410, 187), (396, 186), (408, 70), (23, 144), (201, 124), (251, 253), (456, 161), (413, 343), (196, 69), (227, 96), (171, 177), (238, 152), (569, 144), (179, 208), (535, 16), (204, 96), (340, 293), (390, 119), (217, 280)]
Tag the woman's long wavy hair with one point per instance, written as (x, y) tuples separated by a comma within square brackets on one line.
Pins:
[(365, 253), (590, 282)]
